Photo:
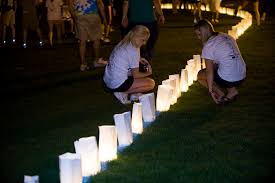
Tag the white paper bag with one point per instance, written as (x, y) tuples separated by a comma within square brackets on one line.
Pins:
[(107, 143), (184, 80), (197, 59), (172, 83), (148, 107), (177, 78), (164, 95), (124, 128), (137, 122), (88, 150), (70, 168)]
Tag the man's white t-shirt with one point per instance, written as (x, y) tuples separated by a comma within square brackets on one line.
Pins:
[(122, 60), (224, 51)]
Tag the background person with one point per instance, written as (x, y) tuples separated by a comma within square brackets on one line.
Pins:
[(225, 67), (54, 18), (122, 75), (147, 13), (8, 10), (85, 13), (30, 20)]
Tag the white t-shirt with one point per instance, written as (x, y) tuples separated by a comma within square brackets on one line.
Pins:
[(224, 51), (122, 60), (54, 9)]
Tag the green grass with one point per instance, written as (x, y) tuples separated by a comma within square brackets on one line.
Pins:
[(196, 141)]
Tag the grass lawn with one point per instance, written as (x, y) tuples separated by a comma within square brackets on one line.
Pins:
[(47, 104)]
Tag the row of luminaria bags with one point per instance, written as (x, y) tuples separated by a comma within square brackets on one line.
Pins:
[(90, 158)]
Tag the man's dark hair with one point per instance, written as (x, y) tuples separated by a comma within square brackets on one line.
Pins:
[(203, 23)]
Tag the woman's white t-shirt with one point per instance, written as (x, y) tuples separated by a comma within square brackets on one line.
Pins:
[(123, 59), (224, 51)]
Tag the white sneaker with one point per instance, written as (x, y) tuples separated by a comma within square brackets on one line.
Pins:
[(122, 97), (135, 97), (106, 40)]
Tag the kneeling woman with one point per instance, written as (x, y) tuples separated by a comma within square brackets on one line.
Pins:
[(122, 75)]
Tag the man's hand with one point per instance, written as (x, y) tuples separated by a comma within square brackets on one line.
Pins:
[(124, 21), (214, 97)]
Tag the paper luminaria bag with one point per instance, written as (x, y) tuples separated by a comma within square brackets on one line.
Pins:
[(70, 168), (107, 143), (124, 128), (137, 122), (164, 95), (177, 78), (197, 59), (184, 80), (173, 84), (148, 107), (88, 150)]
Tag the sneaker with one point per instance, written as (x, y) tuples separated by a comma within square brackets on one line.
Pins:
[(135, 97), (106, 40), (100, 63), (24, 45), (84, 67), (40, 43), (122, 97)]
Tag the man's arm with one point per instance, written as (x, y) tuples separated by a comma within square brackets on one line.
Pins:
[(158, 11), (210, 68), (124, 21)]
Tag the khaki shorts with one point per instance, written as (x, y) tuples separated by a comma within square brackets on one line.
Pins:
[(9, 18), (88, 27)]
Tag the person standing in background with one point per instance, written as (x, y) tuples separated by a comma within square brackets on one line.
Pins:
[(30, 20), (54, 18), (85, 13), (8, 10), (150, 17)]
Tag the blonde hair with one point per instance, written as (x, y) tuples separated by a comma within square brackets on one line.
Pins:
[(137, 31)]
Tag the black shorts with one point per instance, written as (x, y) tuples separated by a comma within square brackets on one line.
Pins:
[(124, 86), (225, 84)]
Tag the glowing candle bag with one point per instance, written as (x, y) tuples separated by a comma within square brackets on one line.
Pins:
[(107, 143), (148, 107), (70, 168), (184, 80), (31, 179), (88, 150), (164, 95), (197, 59), (137, 122), (190, 74), (193, 69), (177, 78), (172, 83), (124, 129)]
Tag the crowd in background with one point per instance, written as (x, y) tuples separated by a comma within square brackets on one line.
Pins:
[(52, 21)]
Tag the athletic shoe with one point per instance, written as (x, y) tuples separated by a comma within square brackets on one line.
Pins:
[(135, 97), (106, 40), (100, 63), (84, 67), (122, 97)]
